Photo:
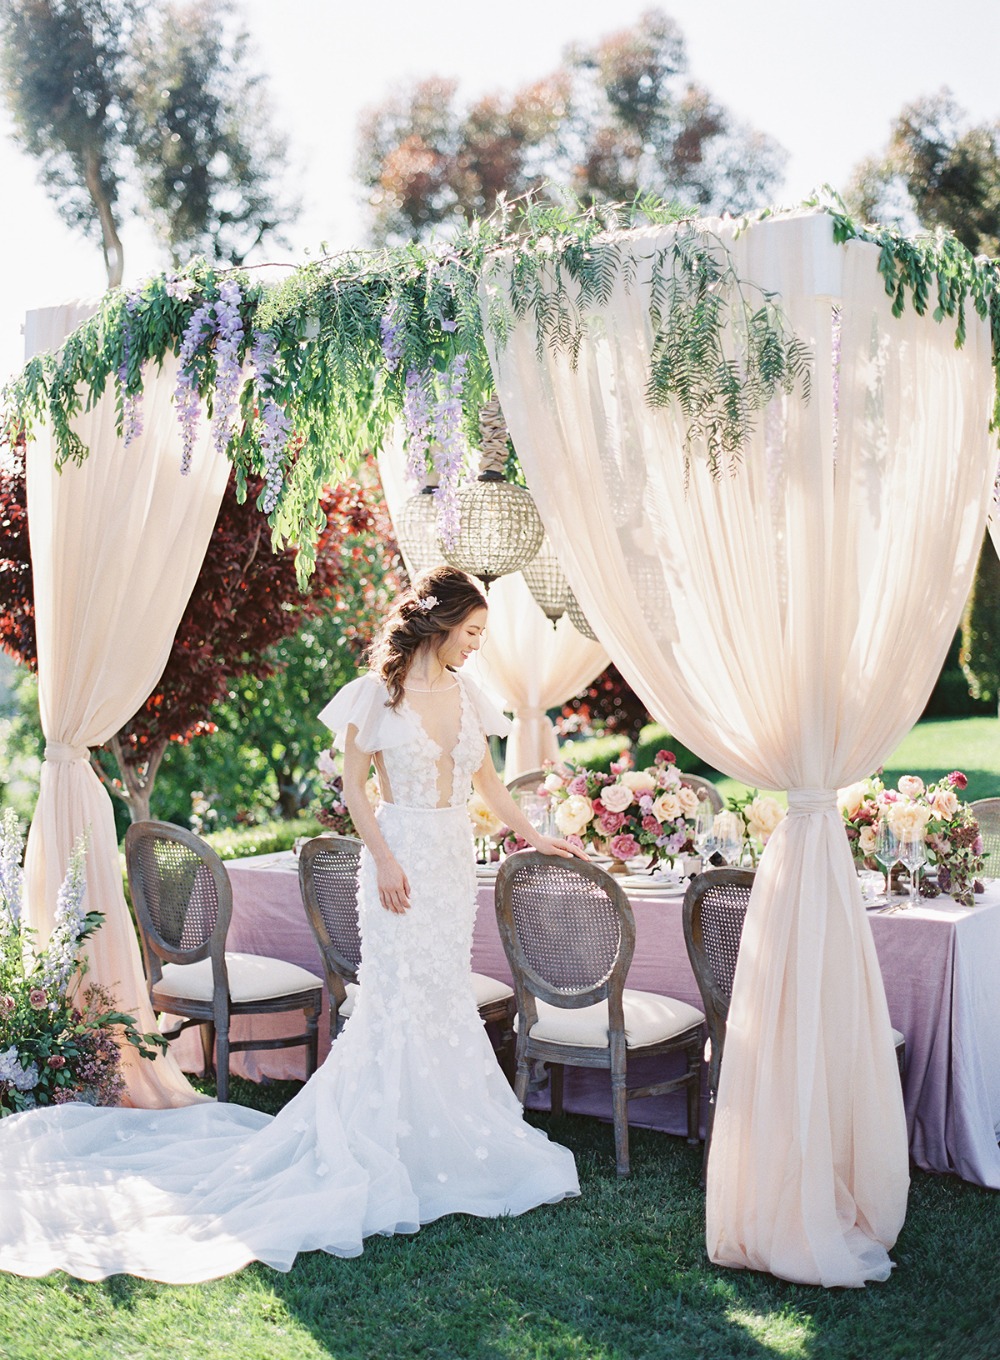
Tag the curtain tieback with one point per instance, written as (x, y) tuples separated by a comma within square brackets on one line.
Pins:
[(812, 800), (62, 752), (526, 711)]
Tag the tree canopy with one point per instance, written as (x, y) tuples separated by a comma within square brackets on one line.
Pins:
[(619, 118), (134, 108)]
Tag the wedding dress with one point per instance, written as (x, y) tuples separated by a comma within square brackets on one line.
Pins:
[(409, 1118)]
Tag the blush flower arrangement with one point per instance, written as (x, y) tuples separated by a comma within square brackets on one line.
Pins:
[(58, 1038), (628, 812), (935, 811), (331, 808)]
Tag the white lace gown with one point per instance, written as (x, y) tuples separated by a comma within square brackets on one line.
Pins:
[(409, 1118)]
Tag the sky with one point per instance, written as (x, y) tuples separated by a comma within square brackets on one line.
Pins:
[(825, 79)]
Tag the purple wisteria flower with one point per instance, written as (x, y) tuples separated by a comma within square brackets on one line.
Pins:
[(131, 402), (180, 288), (276, 426), (450, 448), (417, 417), (186, 399), (392, 331), (229, 326)]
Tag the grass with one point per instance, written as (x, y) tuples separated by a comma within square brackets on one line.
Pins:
[(619, 1274)]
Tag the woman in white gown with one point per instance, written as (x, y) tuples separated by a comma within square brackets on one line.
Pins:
[(410, 1117)]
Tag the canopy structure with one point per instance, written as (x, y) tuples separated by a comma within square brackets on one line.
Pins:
[(749, 554)]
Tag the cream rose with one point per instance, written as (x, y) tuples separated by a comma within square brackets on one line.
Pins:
[(553, 782), (849, 800), (910, 786), (639, 781), (907, 820), (667, 808), (484, 820), (616, 797), (867, 837), (945, 804), (688, 800), (372, 791), (573, 814), (763, 816)]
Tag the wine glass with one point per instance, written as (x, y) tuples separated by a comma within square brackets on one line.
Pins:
[(886, 853), (913, 853), (704, 831)]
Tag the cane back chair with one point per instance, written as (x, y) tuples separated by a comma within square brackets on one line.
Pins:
[(987, 813), (183, 904), (569, 935)]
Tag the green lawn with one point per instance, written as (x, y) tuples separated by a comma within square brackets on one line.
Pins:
[(616, 1275)]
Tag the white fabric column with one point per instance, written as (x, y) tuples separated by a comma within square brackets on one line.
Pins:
[(527, 663), (786, 621), (116, 547)]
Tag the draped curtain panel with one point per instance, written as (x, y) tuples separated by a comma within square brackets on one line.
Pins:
[(786, 620), (116, 547), (527, 663)]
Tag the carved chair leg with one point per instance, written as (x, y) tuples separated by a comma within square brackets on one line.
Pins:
[(619, 1106), (222, 1063), (522, 1073), (556, 1088), (312, 1046), (694, 1092), (207, 1031)]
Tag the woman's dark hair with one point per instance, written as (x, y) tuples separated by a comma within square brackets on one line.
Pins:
[(437, 601)]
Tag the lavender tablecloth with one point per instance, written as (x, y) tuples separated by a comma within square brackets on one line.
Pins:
[(940, 964)]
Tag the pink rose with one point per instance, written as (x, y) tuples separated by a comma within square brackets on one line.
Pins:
[(665, 758), (649, 823), (610, 823), (624, 847), (57, 1061), (578, 785), (574, 840), (7, 1004), (958, 779), (910, 786), (616, 797), (37, 999)]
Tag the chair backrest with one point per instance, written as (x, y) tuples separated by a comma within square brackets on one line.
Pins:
[(704, 788), (987, 813), (181, 893), (528, 782), (567, 929), (715, 907), (328, 878)]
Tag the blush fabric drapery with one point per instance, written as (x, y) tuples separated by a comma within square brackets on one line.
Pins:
[(786, 620), (527, 663), (116, 546)]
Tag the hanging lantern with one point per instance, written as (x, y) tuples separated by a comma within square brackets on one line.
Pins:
[(417, 531), (578, 618), (499, 530), (547, 582)]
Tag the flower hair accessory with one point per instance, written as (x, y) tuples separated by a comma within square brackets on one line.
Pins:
[(427, 603)]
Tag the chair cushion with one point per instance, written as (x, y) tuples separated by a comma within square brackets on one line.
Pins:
[(488, 989), (252, 977), (352, 989), (649, 1019)]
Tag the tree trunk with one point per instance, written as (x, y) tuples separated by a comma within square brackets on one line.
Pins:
[(137, 780), (114, 255)]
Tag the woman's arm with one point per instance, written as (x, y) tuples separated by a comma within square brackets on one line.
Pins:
[(393, 885), (496, 795)]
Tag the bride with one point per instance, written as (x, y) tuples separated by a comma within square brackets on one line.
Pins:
[(410, 1116)]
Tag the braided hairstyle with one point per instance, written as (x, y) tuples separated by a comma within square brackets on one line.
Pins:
[(413, 621)]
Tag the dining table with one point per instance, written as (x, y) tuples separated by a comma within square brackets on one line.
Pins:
[(940, 964)]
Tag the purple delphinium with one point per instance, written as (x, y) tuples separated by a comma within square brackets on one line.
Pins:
[(11, 874), (392, 332), (131, 402), (60, 959), (417, 417), (229, 325), (186, 399), (450, 448), (276, 427)]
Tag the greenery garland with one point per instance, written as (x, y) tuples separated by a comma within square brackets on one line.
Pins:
[(344, 336)]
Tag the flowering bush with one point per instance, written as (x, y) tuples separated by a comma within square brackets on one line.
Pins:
[(627, 812), (57, 1042), (933, 811)]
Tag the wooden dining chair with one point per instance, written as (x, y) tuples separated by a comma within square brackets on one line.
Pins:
[(328, 879), (183, 903), (705, 790), (715, 908), (987, 813), (528, 782), (569, 935)]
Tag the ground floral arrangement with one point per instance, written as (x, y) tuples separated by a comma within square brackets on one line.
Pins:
[(58, 1038), (933, 811)]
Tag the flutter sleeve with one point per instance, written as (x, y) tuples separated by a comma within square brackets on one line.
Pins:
[(362, 704), (493, 720)]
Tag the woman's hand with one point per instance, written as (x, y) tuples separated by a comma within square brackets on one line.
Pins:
[(554, 845), (393, 886)]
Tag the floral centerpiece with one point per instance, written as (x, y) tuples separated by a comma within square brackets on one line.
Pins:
[(331, 807), (935, 812), (758, 816), (487, 828), (58, 1038), (628, 812)]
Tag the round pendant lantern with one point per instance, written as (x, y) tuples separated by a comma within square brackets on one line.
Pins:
[(547, 582), (578, 618), (499, 528), (417, 531)]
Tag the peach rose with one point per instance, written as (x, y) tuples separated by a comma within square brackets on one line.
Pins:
[(910, 786), (945, 804), (484, 821), (667, 808), (616, 797), (849, 800), (867, 837), (639, 781), (906, 819), (763, 816), (688, 800), (573, 814)]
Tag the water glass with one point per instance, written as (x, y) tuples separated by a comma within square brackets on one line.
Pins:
[(913, 853), (886, 853)]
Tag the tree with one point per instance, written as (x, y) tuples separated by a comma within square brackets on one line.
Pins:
[(617, 119), (608, 703), (244, 603), (134, 107), (938, 169), (980, 652)]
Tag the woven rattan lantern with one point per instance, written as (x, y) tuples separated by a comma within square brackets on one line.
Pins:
[(417, 531), (547, 582), (499, 526), (578, 618)]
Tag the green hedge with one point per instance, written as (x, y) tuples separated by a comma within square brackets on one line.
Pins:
[(597, 753), (237, 842)]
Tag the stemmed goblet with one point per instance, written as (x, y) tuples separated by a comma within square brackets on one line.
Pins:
[(704, 831), (913, 853), (886, 853)]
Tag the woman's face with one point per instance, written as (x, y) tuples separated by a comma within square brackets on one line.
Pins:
[(458, 644)]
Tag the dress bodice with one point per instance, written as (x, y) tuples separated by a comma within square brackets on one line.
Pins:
[(419, 774)]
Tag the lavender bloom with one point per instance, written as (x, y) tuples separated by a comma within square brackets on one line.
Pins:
[(180, 288), (449, 326), (392, 337), (417, 415), (276, 425), (229, 325), (59, 962), (451, 449), (11, 874), (11, 1071), (186, 398)]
